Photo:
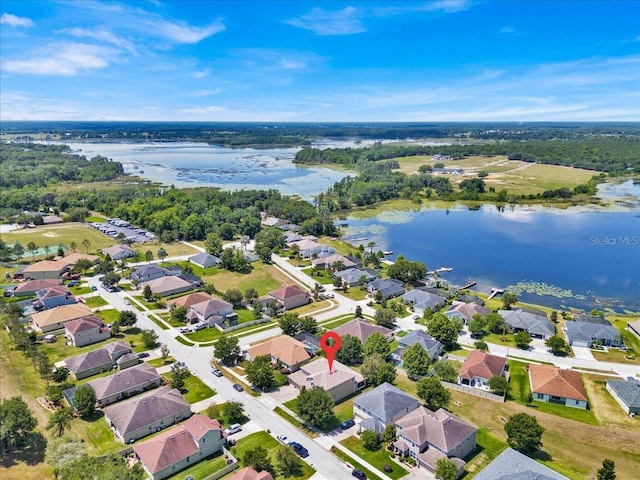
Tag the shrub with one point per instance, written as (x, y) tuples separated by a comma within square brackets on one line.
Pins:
[(387, 468)]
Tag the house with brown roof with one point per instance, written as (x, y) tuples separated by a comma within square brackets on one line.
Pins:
[(86, 330), (55, 318), (206, 311), (118, 252), (169, 285), (45, 269), (284, 350), (290, 296), (180, 447), (427, 436), (333, 261), (362, 330), (466, 311), (71, 259), (30, 287), (340, 382), (248, 473), (52, 297), (479, 368), (125, 383), (189, 299), (97, 361), (557, 385), (147, 413)]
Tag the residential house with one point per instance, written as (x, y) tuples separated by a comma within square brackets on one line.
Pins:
[(55, 318), (423, 299), (180, 447), (388, 288), (479, 367), (333, 262), (248, 473), (534, 323), (582, 334), (352, 277), (119, 252), (123, 384), (204, 260), (190, 299), (290, 237), (557, 385), (382, 406), (428, 436), (96, 361), (53, 297), (513, 465), (362, 330), (71, 259), (340, 382), (284, 350), (627, 394), (86, 330), (147, 413), (466, 311), (597, 319), (273, 222), (290, 296), (634, 327), (309, 248), (432, 346), (166, 286), (45, 269), (51, 219), (146, 273), (211, 311), (30, 287)]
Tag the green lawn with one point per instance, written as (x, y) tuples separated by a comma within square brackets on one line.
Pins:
[(109, 315), (378, 458), (295, 422), (59, 350), (519, 391), (333, 323), (205, 467), (263, 439), (342, 412), (347, 459), (65, 233), (170, 320), (194, 390), (355, 294), (488, 447), (98, 434), (159, 362), (94, 302), (80, 290), (264, 278), (321, 276)]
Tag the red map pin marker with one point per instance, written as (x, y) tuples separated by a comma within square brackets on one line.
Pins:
[(330, 350)]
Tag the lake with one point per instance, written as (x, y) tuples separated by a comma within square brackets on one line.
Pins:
[(556, 257), (203, 165)]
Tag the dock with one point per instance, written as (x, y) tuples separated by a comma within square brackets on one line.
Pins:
[(495, 291), (469, 284)]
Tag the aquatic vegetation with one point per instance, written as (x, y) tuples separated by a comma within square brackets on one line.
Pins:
[(395, 216), (540, 289)]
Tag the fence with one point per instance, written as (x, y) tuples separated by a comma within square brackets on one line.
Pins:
[(475, 391), (242, 325), (232, 464)]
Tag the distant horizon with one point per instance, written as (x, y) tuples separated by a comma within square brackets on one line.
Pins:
[(330, 122), (315, 61)]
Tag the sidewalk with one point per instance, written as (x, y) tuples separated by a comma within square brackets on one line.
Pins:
[(327, 443)]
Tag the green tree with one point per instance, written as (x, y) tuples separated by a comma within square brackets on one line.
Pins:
[(476, 326), (290, 324), (179, 373), (308, 325), (147, 293), (17, 251), (164, 352), (557, 345), (226, 349), (480, 345), (73, 246), (234, 296), (179, 313), (258, 459), (288, 461), (495, 323), (111, 467), (233, 412), (258, 309), (508, 300), (608, 470), (315, 406), (86, 244), (444, 329), (60, 421), (377, 343), (110, 279), (250, 294), (162, 254), (446, 371), (445, 469), (82, 265), (415, 360), (127, 318), (350, 351), (524, 433), (377, 371), (432, 393), (213, 244), (358, 311), (33, 248), (148, 256), (63, 451), (60, 374), (498, 385), (149, 339), (522, 339), (406, 271), (389, 435), (370, 440), (16, 423), (84, 400), (385, 317), (260, 372)]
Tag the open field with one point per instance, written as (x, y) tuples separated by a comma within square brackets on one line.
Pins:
[(54, 235), (264, 278)]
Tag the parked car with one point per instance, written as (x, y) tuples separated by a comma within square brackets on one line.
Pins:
[(300, 450), (347, 424), (284, 439), (143, 355), (127, 302), (94, 288), (184, 330), (200, 326), (237, 387), (359, 474), (235, 428), (73, 283), (216, 372)]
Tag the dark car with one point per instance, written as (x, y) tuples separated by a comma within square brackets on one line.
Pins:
[(300, 450), (359, 474), (237, 387), (143, 355), (347, 424)]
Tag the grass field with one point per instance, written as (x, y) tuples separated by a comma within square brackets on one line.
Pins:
[(378, 458), (264, 278), (196, 390), (263, 439), (207, 466), (94, 302)]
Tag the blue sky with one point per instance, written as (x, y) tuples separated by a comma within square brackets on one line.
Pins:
[(443, 60)]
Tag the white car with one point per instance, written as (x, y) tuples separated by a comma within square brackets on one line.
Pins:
[(127, 302), (284, 439), (235, 428)]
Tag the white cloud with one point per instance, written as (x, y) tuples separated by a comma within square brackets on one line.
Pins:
[(201, 73), (274, 59), (323, 22), (507, 29), (63, 59), (99, 34), (205, 110), (15, 21), (182, 32)]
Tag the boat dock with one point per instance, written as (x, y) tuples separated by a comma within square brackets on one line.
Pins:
[(495, 291), (469, 284)]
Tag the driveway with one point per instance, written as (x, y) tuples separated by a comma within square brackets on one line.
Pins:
[(583, 353), (283, 394)]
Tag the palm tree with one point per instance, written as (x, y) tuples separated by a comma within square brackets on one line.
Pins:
[(32, 247), (162, 254), (86, 243), (74, 246), (60, 421)]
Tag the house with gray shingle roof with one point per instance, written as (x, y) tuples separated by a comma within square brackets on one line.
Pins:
[(96, 361), (535, 324), (627, 394), (204, 260), (147, 413), (382, 406), (353, 277), (118, 252), (513, 465), (582, 334), (423, 300), (123, 384), (146, 273), (432, 346), (388, 288)]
